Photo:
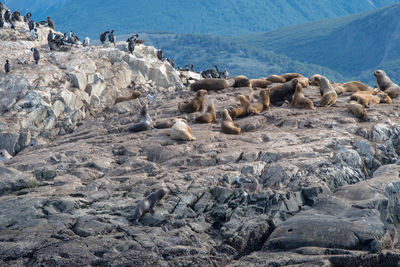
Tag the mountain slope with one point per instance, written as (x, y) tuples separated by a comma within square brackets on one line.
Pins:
[(228, 18), (349, 45)]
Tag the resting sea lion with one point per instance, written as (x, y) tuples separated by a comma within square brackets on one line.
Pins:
[(280, 93), (181, 131), (227, 125), (263, 101), (133, 95), (209, 116), (303, 81), (291, 76), (276, 79), (358, 110), (196, 104), (212, 84), (241, 81), (299, 100), (145, 121), (237, 112), (261, 83), (355, 86), (386, 85), (164, 124), (328, 94), (367, 99), (147, 204), (245, 104)]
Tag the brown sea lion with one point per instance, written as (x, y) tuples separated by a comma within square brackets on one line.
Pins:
[(181, 131), (133, 95), (291, 76), (263, 101), (147, 204), (164, 124), (145, 121), (241, 81), (212, 84), (386, 85), (303, 81), (338, 88), (355, 86), (261, 83), (276, 79), (299, 100), (280, 93), (227, 125), (237, 112), (209, 116), (358, 110), (196, 104), (245, 104), (328, 94), (367, 99)]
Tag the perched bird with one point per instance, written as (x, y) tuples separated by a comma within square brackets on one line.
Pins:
[(160, 55), (7, 15), (36, 55), (1, 22), (111, 37), (103, 37), (50, 36), (73, 37), (50, 23), (31, 25), (86, 42), (7, 66), (131, 46), (27, 17)]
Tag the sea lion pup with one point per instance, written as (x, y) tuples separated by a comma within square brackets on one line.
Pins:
[(358, 110), (261, 83), (241, 81), (355, 86), (328, 94), (276, 79), (196, 104), (299, 100), (181, 131), (147, 204), (135, 94), (227, 125), (145, 121), (209, 116), (212, 84), (50, 23), (263, 101), (278, 94), (367, 98), (386, 85), (337, 86), (245, 104)]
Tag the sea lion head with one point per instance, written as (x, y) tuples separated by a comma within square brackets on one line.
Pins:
[(378, 73), (225, 115), (201, 92)]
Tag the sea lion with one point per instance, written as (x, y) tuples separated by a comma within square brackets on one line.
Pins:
[(145, 121), (50, 23), (147, 204), (303, 81), (133, 95), (276, 79), (237, 112), (245, 104), (328, 94), (164, 124), (358, 110), (227, 125), (36, 55), (338, 88), (355, 86), (290, 76), (212, 84), (299, 100), (263, 101), (181, 131), (196, 104), (241, 81), (209, 116), (366, 99), (261, 83), (278, 94), (386, 85)]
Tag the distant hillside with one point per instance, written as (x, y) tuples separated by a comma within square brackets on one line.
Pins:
[(223, 17), (204, 51), (353, 45)]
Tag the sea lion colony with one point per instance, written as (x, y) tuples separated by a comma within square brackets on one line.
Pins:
[(278, 90)]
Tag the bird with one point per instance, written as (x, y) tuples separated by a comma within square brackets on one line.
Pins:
[(131, 46), (103, 37), (7, 66), (31, 25), (86, 42), (50, 23), (111, 37), (160, 55), (36, 55)]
